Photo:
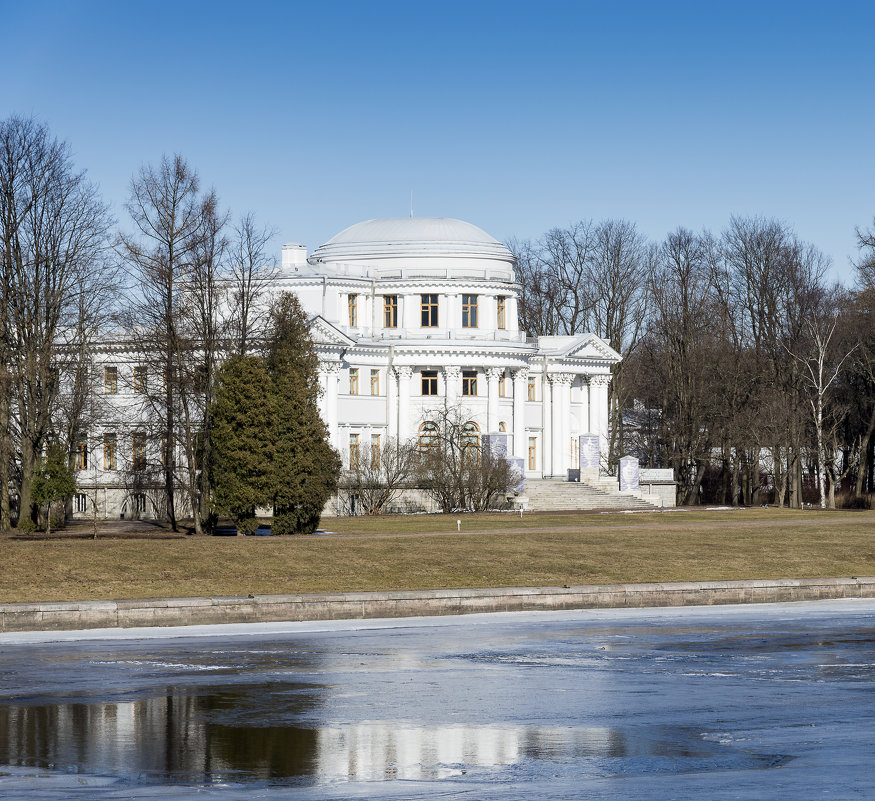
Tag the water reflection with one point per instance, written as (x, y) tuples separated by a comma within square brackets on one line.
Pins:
[(256, 734)]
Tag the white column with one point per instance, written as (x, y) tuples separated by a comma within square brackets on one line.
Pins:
[(452, 377), (585, 427), (329, 373), (520, 393), (404, 374), (559, 411), (547, 422), (598, 408), (492, 376)]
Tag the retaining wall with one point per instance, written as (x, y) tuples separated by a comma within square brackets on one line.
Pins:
[(360, 605)]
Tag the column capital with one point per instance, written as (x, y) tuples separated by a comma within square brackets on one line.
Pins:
[(403, 371), (453, 373), (560, 378), (329, 367), (600, 380), (494, 373), (520, 374)]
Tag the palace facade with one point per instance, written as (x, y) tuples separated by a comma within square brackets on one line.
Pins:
[(408, 316)]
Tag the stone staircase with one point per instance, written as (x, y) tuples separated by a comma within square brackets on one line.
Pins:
[(601, 494)]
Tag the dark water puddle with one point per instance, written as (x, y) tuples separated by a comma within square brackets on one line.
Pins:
[(273, 734)]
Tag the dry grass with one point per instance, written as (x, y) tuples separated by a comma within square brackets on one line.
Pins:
[(426, 553)]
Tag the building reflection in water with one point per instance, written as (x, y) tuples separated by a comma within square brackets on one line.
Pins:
[(220, 736)]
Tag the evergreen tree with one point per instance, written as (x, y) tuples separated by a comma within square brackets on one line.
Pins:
[(53, 481), (243, 444), (305, 467)]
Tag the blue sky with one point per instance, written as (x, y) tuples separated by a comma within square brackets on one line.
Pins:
[(517, 117)]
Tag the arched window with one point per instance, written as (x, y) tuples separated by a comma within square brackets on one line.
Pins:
[(428, 437), (470, 441)]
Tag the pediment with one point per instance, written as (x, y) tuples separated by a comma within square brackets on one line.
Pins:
[(592, 347), (324, 333)]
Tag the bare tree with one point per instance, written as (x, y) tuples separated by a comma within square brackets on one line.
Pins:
[(454, 467), (821, 365), (251, 274), (166, 256), (53, 237), (377, 477)]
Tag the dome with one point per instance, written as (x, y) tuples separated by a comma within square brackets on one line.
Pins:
[(411, 237)]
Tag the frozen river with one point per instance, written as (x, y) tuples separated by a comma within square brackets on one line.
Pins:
[(756, 702)]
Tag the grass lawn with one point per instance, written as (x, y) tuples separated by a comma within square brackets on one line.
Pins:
[(426, 552)]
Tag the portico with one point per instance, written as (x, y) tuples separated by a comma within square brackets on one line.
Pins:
[(414, 313)]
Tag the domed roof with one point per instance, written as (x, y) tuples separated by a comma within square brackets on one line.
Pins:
[(411, 237)]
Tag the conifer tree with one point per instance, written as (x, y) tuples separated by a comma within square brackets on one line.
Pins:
[(305, 466), (243, 445)]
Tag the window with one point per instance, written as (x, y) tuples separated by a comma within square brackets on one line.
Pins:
[(469, 311), (429, 311), (353, 450), (469, 382), (429, 382), (502, 386), (353, 304), (470, 442), (501, 322), (428, 438), (109, 451), (575, 452), (375, 382), (390, 311), (375, 451), (532, 388), (110, 380), (140, 379), (138, 451), (166, 452), (502, 427), (353, 381), (533, 453), (81, 456), (81, 502)]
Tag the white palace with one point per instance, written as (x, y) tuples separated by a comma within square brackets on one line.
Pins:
[(409, 316), (412, 313)]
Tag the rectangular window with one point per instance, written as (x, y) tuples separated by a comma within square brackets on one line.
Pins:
[(469, 382), (533, 453), (166, 453), (138, 451), (531, 388), (375, 382), (390, 311), (140, 379), (353, 303), (110, 380), (502, 386), (469, 311), (81, 502), (375, 451), (353, 450), (109, 451), (429, 309), (429, 382), (353, 381), (501, 322), (575, 452), (80, 456)]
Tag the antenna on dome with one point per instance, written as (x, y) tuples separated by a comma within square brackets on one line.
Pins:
[(411, 204)]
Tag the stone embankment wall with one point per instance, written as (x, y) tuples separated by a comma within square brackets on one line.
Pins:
[(361, 605)]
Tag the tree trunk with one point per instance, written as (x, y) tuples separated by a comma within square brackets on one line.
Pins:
[(863, 469)]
